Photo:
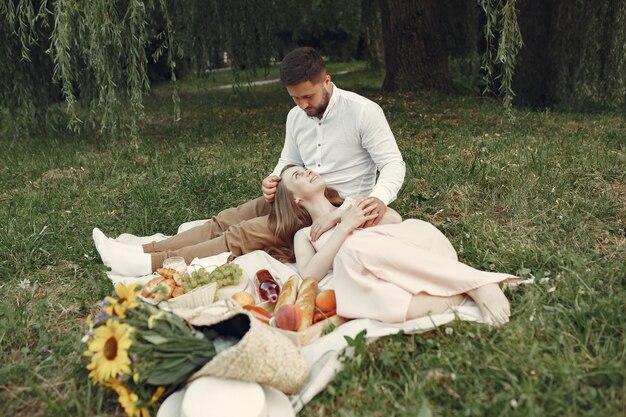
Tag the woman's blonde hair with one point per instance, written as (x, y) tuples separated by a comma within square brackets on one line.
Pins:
[(286, 218)]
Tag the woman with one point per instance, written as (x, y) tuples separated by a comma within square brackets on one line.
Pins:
[(392, 272)]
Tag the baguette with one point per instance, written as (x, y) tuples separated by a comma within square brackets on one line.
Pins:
[(306, 301), (288, 293)]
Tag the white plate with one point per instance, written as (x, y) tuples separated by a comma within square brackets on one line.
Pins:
[(277, 403)]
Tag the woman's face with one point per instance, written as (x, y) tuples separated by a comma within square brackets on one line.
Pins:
[(302, 182)]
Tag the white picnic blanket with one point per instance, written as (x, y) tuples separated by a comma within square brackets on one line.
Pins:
[(322, 355)]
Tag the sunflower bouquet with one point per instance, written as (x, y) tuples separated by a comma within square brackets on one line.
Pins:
[(142, 353)]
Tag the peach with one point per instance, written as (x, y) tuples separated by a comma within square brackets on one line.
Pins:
[(243, 298), (289, 317), (325, 301)]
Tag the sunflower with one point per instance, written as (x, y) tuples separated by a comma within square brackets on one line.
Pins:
[(109, 351), (157, 395), (127, 399), (125, 297)]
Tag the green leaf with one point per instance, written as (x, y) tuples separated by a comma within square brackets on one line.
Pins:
[(167, 376), (154, 338)]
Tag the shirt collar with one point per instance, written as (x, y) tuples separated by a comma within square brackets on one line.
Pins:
[(333, 99)]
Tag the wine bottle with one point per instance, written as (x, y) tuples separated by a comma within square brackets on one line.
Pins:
[(267, 288)]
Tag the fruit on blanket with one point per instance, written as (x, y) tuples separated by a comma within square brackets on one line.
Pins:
[(259, 313), (319, 315), (228, 274), (325, 301), (289, 317), (243, 298)]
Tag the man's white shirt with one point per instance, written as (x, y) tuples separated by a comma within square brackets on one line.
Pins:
[(347, 146)]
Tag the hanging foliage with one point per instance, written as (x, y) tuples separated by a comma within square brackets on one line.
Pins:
[(26, 90), (503, 41), (92, 55)]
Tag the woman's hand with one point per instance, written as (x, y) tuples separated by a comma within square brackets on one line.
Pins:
[(324, 223), (357, 214)]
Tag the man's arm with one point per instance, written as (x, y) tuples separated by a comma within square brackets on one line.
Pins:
[(377, 138)]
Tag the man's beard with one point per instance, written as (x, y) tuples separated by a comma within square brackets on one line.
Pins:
[(319, 111)]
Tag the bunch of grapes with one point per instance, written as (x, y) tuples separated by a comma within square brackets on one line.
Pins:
[(225, 275)]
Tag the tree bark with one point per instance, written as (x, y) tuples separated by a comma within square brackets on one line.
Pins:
[(372, 33), (415, 56), (574, 54)]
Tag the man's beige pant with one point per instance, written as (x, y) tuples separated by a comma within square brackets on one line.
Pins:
[(238, 230)]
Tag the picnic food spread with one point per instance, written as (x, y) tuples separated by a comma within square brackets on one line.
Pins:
[(298, 304), (292, 308), (170, 283)]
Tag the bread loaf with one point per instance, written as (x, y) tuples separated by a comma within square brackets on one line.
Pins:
[(288, 293), (306, 301)]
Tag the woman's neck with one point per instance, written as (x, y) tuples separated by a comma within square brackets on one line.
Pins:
[(318, 207)]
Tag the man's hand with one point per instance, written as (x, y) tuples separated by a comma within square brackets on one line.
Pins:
[(324, 223), (268, 186), (377, 207), (357, 214)]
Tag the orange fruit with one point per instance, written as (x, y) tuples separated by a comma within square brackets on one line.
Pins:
[(325, 301)]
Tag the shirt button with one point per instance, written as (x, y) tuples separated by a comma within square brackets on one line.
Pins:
[(318, 165), (319, 124), (319, 144)]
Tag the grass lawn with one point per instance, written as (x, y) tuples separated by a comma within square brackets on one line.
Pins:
[(543, 195)]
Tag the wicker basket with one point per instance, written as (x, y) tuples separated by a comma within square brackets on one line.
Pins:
[(201, 296)]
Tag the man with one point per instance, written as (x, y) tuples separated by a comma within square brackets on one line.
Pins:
[(341, 135)]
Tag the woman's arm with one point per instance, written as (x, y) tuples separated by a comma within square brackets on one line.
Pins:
[(316, 264)]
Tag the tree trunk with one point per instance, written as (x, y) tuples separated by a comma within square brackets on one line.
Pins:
[(415, 57), (574, 54), (372, 33)]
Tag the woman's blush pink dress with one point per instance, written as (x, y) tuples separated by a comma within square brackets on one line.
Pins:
[(378, 269)]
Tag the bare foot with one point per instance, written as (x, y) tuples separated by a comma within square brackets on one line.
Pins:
[(492, 303), (422, 305)]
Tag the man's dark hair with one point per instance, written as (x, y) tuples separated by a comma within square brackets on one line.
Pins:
[(302, 64)]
